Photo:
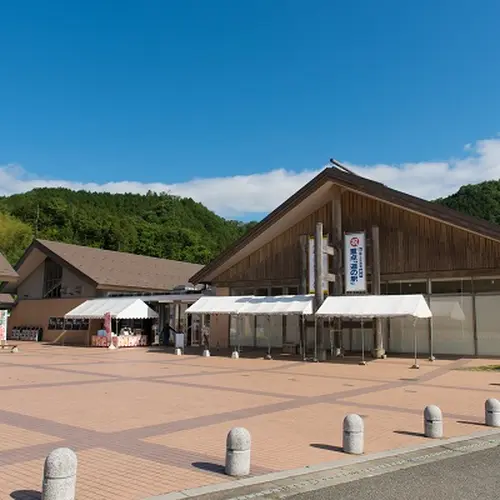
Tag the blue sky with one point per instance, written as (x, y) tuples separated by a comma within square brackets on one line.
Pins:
[(115, 95)]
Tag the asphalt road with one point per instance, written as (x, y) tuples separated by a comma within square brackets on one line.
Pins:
[(466, 477)]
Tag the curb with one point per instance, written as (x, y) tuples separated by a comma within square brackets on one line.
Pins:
[(292, 482)]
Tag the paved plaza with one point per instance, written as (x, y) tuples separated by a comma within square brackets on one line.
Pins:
[(145, 423)]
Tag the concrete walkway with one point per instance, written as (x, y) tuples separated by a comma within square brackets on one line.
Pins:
[(148, 423)]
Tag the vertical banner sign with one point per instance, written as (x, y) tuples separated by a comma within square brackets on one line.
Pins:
[(310, 265), (3, 325), (355, 262), (107, 326)]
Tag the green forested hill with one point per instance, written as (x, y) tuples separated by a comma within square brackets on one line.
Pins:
[(159, 225), (480, 200)]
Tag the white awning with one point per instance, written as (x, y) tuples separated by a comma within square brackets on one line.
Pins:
[(217, 305), (280, 304), (119, 308), (375, 306), (447, 309)]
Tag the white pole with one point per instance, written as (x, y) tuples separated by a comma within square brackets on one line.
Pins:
[(415, 363)]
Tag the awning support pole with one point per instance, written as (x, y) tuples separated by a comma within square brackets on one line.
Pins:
[(415, 363), (239, 324), (302, 336), (363, 362), (268, 356), (331, 338), (430, 323), (315, 359)]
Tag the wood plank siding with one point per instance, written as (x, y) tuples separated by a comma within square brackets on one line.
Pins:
[(411, 245)]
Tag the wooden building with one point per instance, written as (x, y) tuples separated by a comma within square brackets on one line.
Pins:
[(52, 278), (451, 258)]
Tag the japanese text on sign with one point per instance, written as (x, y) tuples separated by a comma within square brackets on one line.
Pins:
[(355, 262)]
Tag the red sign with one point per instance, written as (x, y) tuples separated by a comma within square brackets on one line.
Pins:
[(354, 241)]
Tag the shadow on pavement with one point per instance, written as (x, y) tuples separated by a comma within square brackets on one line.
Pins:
[(209, 467), (327, 447), (410, 433), (470, 422), (26, 495)]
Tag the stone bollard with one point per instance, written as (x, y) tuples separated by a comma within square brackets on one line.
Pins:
[(353, 434), (235, 355), (433, 422), (492, 412), (59, 475), (238, 445), (178, 351), (206, 353)]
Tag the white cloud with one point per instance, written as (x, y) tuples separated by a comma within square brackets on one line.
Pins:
[(259, 193)]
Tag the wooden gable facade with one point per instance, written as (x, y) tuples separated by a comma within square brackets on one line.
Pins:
[(412, 246)]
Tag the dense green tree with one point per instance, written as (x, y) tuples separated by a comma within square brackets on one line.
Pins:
[(155, 224), (15, 236), (480, 200)]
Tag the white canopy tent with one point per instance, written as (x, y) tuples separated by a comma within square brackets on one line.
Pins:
[(283, 305), (280, 304), (218, 305), (376, 306), (119, 308)]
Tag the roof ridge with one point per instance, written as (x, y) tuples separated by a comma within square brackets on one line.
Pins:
[(339, 174), (118, 252)]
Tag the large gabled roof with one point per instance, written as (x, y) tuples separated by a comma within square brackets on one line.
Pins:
[(350, 181), (107, 268), (7, 272)]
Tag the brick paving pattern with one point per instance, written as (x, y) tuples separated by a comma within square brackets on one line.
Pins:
[(145, 423)]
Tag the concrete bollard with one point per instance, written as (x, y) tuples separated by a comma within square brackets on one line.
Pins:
[(235, 355), (206, 353), (238, 445), (433, 422), (178, 351), (59, 475), (353, 437), (492, 412)]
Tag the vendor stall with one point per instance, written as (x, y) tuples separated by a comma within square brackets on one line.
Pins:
[(125, 314), (262, 306), (367, 307)]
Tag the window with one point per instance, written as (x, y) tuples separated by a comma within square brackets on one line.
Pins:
[(276, 291), (239, 292), (486, 285), (292, 290), (206, 320), (52, 279), (404, 288), (262, 292), (68, 324), (451, 287)]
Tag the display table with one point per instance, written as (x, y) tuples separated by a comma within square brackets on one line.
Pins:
[(120, 341)]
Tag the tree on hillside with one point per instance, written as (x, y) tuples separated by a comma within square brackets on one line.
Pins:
[(480, 200), (159, 225), (15, 237)]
